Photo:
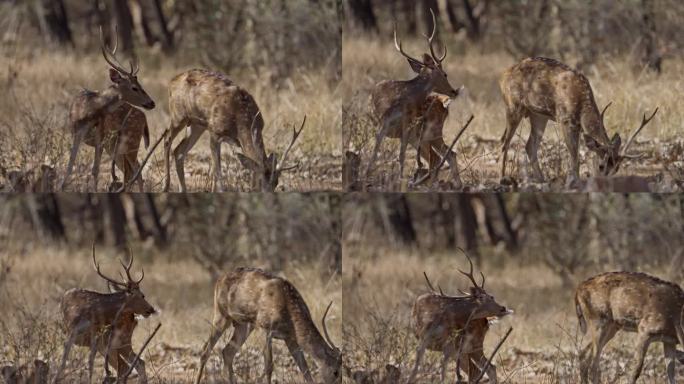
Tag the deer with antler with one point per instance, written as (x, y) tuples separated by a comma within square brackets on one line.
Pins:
[(249, 298), (456, 327), (400, 106), (632, 302), (207, 100), (543, 89), (104, 322), (108, 120)]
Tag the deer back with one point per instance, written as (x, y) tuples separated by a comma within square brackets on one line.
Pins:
[(212, 100), (628, 298)]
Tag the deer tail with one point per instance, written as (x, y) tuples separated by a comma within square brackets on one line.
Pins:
[(580, 314)]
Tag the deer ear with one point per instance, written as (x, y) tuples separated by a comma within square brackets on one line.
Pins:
[(416, 66), (115, 76), (248, 163)]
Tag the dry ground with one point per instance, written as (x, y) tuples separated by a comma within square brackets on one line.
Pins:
[(380, 285), (33, 278), (37, 85), (632, 91)]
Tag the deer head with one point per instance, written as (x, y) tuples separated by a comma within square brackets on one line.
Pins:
[(331, 372), (486, 304), (135, 299), (430, 67), (269, 172), (611, 156), (125, 81)]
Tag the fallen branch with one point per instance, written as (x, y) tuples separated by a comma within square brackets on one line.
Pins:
[(444, 157), (124, 378), (489, 361)]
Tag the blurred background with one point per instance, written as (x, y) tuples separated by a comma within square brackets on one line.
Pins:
[(287, 54), (534, 249), (631, 51), (183, 243)]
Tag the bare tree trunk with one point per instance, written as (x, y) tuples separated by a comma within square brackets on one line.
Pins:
[(468, 224), (445, 207), (427, 16), (362, 11), (651, 57), (456, 24), (400, 220), (117, 219), (55, 21), (124, 23)]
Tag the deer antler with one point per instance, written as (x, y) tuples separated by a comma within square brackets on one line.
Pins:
[(430, 38), (397, 45), (325, 329), (644, 121), (295, 135), (430, 285), (108, 279), (603, 112), (113, 62), (127, 268), (469, 275)]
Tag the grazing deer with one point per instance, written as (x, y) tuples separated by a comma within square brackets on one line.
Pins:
[(209, 100), (90, 121), (249, 298), (456, 326), (633, 302), (544, 89), (104, 322), (397, 105)]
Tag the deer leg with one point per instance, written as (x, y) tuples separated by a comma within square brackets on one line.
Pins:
[(215, 146), (299, 359), (537, 127), (670, 352), (513, 118), (79, 134), (447, 353), (181, 151), (477, 361), (571, 131), (643, 343), (91, 358), (378, 141), (402, 152), (174, 129), (440, 147), (126, 357), (268, 357), (606, 333), (240, 333), (97, 160), (420, 351), (219, 325)]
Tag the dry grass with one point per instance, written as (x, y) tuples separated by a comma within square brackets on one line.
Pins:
[(37, 85), (633, 92), (380, 285), (37, 276)]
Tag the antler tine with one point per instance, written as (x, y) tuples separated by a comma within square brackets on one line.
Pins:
[(127, 268), (97, 269), (397, 45), (644, 121), (603, 112), (295, 135), (135, 65), (431, 38), (430, 285), (469, 275), (483, 280), (325, 329), (111, 62)]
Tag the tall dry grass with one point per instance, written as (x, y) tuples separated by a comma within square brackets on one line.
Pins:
[(380, 284), (632, 90), (36, 276), (38, 84)]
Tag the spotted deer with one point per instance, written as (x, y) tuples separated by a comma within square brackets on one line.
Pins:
[(96, 118), (456, 326), (207, 100), (104, 322), (397, 105), (543, 89), (249, 298), (632, 302)]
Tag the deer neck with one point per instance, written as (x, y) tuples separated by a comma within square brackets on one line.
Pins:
[(109, 100), (111, 304), (592, 123), (310, 339), (463, 307), (417, 89)]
